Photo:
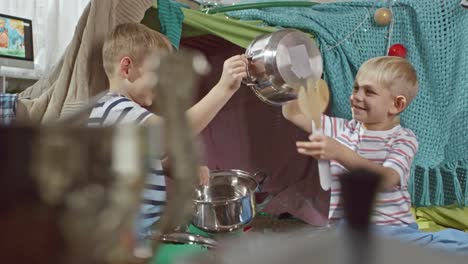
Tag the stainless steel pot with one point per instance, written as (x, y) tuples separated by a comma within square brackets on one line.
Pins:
[(281, 62), (227, 203)]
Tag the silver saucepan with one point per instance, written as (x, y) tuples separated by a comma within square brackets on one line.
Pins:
[(227, 203), (280, 63)]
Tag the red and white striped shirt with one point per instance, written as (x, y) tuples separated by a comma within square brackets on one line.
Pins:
[(394, 148)]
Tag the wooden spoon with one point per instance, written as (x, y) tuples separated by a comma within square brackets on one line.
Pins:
[(313, 101)]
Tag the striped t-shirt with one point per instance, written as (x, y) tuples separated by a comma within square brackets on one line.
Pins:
[(113, 109), (394, 148)]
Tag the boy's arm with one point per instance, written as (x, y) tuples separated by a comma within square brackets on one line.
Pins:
[(293, 114), (396, 167), (351, 161), (201, 114), (326, 148), (394, 170)]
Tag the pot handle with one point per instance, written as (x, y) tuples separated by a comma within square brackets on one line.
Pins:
[(248, 81), (262, 177)]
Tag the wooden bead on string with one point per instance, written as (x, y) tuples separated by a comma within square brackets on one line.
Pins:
[(383, 16)]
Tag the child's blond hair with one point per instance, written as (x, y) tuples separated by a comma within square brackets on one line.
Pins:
[(133, 40), (394, 73)]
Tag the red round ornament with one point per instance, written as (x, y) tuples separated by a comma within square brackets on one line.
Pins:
[(397, 50)]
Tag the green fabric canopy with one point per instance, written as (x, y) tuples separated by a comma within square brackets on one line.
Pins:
[(197, 23)]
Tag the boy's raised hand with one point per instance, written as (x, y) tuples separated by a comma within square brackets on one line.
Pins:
[(293, 113), (234, 70), (321, 147)]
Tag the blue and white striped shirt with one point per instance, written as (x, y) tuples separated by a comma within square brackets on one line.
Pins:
[(114, 109)]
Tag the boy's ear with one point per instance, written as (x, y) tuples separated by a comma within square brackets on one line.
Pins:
[(125, 66), (399, 104)]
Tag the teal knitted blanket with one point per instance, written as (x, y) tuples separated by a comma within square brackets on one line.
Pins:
[(171, 18), (435, 34)]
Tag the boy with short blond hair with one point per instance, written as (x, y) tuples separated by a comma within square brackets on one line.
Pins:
[(372, 140), (130, 61), (133, 40)]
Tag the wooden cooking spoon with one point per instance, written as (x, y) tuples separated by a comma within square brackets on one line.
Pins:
[(313, 101)]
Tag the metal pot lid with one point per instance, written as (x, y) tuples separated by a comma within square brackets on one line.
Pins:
[(187, 238)]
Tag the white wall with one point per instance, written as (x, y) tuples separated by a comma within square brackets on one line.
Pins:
[(53, 22)]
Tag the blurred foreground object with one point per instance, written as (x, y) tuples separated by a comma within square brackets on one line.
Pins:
[(69, 194)]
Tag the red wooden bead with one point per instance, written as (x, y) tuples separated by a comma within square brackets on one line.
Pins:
[(397, 50)]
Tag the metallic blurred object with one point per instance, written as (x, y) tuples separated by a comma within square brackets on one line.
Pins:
[(358, 204), (69, 194), (282, 62), (178, 74), (186, 238)]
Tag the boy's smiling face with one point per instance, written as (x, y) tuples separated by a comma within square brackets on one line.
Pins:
[(372, 104)]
